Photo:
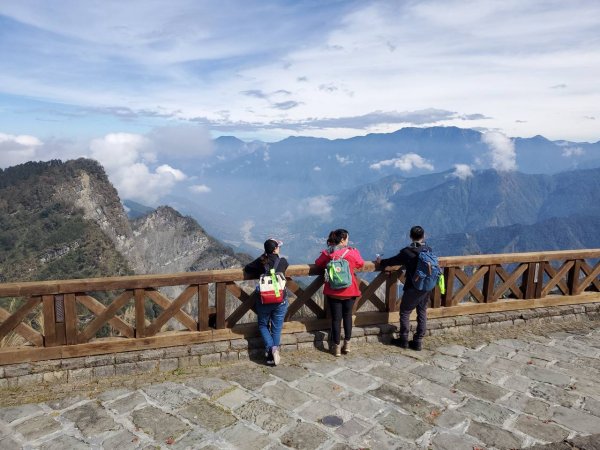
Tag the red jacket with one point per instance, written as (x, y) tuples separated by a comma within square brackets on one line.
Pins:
[(356, 262)]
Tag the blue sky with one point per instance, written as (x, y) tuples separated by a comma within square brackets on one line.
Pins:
[(76, 72)]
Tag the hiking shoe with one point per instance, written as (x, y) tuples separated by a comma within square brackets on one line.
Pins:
[(269, 355), (346, 347), (335, 350), (415, 345), (276, 356), (399, 342)]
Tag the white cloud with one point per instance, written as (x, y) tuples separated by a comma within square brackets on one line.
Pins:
[(462, 171), (396, 187), (200, 188), (319, 206), (126, 159), (405, 163), (317, 169), (165, 169), (572, 151), (502, 151), (343, 160), (17, 149)]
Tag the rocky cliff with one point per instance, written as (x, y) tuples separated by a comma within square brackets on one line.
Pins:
[(169, 242), (65, 220)]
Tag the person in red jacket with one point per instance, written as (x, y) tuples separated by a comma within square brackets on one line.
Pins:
[(341, 301)]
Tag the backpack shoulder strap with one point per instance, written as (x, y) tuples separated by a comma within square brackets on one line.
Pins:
[(345, 252), (276, 264)]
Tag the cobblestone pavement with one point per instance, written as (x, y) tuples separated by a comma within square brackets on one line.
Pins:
[(519, 392)]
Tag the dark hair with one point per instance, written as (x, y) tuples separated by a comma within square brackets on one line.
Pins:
[(330, 239), (270, 246), (337, 236), (417, 233)]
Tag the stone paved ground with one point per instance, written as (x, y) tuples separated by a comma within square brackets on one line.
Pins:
[(522, 388)]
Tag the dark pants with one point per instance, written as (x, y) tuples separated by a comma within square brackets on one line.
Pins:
[(412, 299), (341, 310)]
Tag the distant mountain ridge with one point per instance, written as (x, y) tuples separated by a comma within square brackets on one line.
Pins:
[(295, 169), (380, 214)]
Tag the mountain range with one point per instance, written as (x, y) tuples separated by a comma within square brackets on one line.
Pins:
[(259, 189)]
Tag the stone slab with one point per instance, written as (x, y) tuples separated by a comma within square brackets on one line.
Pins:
[(242, 436), (480, 389), (539, 429), (304, 436), (405, 400), (233, 398), (128, 403), (493, 436), (125, 440), (285, 396), (63, 442), (268, 417), (436, 374), (37, 427), (91, 419), (354, 379), (202, 412), (173, 395), (576, 420), (403, 425), (158, 424), (13, 413), (210, 386)]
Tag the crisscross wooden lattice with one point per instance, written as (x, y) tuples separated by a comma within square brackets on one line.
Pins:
[(74, 317)]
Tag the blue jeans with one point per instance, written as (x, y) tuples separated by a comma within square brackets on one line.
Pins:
[(270, 322)]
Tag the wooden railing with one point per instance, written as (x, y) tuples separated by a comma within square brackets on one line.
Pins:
[(219, 300)]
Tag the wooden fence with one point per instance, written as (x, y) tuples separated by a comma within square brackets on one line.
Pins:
[(474, 284)]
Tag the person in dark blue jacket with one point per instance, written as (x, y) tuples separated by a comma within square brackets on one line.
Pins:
[(411, 298)]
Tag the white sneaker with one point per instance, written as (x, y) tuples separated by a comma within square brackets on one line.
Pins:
[(276, 356)]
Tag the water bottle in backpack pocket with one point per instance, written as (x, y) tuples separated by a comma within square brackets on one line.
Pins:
[(428, 271)]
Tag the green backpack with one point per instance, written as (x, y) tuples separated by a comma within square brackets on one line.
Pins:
[(338, 273)]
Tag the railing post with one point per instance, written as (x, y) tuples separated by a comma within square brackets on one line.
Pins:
[(220, 304), (70, 319), (203, 312), (49, 313), (447, 299), (391, 292), (489, 284), (573, 278), (528, 281), (140, 313)]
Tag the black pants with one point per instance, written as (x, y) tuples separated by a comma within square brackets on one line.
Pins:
[(341, 310), (412, 299)]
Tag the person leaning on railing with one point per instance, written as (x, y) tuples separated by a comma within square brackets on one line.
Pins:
[(411, 298), (270, 315), (341, 301)]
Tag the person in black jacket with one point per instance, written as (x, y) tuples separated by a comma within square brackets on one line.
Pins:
[(270, 316), (411, 298)]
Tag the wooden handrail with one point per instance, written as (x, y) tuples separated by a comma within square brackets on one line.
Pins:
[(474, 284), (229, 275)]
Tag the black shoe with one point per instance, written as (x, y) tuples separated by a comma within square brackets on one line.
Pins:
[(399, 342), (415, 345)]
